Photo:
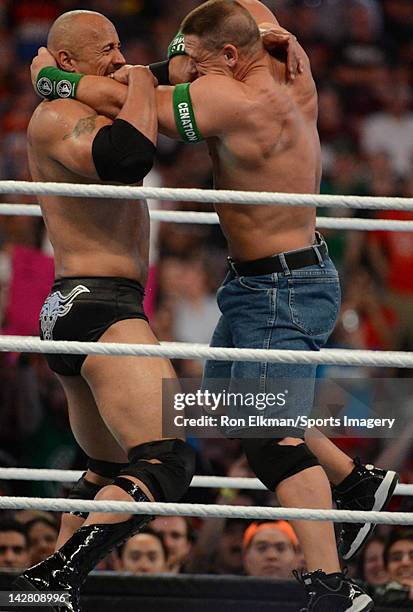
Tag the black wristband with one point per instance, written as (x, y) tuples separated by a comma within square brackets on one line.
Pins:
[(160, 70)]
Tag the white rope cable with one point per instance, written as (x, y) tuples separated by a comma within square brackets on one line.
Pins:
[(204, 195), (205, 510), (210, 218), (201, 482), (182, 350)]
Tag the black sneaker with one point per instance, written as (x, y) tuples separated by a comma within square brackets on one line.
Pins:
[(333, 593), (366, 488)]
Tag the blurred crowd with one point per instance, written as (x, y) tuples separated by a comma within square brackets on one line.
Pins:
[(361, 54)]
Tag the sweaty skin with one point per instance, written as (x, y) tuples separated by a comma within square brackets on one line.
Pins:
[(90, 237), (283, 154), (231, 105)]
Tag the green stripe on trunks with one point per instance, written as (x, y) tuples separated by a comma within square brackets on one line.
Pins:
[(184, 114)]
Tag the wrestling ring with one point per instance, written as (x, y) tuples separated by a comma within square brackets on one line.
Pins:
[(399, 359)]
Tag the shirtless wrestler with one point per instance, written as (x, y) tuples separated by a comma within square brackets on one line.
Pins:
[(274, 251), (101, 258)]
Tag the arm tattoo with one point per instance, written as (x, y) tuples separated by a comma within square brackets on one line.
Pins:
[(86, 125)]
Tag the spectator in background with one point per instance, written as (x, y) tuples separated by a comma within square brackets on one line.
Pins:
[(391, 256), (371, 562), (218, 548), (177, 536), (196, 313), (359, 58), (332, 127), (144, 553), (42, 534), (366, 315), (398, 560), (14, 550), (270, 550), (391, 131)]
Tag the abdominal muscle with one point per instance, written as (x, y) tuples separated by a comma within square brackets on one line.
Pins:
[(98, 238), (254, 232), (94, 237)]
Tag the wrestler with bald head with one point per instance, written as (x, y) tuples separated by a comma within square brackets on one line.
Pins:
[(101, 264)]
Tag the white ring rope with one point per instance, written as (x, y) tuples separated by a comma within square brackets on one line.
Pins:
[(210, 218), (205, 510), (201, 482), (182, 350), (204, 195)]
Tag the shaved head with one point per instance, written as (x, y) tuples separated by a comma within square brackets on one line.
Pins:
[(86, 42), (75, 28)]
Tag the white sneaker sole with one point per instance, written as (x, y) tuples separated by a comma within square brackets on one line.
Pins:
[(364, 603), (381, 499)]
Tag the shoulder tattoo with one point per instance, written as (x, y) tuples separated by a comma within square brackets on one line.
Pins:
[(85, 125)]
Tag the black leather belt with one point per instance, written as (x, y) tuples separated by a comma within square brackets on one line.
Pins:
[(271, 265)]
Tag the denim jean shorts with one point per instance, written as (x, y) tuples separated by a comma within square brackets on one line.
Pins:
[(294, 309)]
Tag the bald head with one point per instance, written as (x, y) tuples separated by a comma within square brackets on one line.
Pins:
[(74, 28), (85, 41)]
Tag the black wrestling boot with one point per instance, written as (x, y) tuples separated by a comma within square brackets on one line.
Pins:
[(365, 488), (333, 593), (67, 569)]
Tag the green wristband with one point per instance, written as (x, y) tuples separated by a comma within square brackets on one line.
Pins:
[(53, 83), (177, 46), (184, 114)]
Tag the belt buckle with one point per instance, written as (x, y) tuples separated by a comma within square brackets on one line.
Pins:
[(231, 265)]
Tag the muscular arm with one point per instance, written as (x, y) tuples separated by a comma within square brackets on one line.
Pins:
[(64, 131), (265, 19), (212, 99), (105, 95)]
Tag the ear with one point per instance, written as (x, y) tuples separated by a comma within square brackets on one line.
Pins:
[(65, 61), (231, 56)]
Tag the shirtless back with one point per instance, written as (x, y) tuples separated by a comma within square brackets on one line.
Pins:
[(262, 136)]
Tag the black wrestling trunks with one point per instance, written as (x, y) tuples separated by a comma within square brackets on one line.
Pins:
[(83, 309)]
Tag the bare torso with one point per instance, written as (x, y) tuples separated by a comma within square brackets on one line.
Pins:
[(276, 148), (90, 237)]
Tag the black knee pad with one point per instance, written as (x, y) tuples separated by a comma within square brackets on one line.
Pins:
[(272, 462), (169, 479), (107, 469), (84, 489)]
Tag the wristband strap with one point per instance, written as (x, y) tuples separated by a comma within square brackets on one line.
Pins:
[(53, 83), (160, 70), (177, 46), (184, 114)]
